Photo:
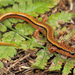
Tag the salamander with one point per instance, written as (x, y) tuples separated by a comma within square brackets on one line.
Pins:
[(45, 29)]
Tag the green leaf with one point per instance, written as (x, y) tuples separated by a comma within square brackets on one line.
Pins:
[(13, 20), (30, 44), (3, 28), (1, 64), (74, 70), (73, 14), (74, 31), (2, 11), (0, 5), (24, 29), (3, 2), (7, 52), (41, 60), (56, 63), (10, 1), (67, 68), (6, 2), (12, 37), (15, 7), (29, 6), (7, 23), (54, 18), (24, 46)]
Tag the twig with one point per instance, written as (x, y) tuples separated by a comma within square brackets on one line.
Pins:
[(18, 61)]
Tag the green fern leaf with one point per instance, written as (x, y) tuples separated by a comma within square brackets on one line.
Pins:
[(41, 60), (7, 52), (58, 17)]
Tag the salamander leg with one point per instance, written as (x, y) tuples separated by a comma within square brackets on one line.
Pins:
[(36, 33)]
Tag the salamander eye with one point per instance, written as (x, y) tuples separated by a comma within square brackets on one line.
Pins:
[(72, 53)]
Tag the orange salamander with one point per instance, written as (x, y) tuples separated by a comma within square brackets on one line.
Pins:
[(45, 29)]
